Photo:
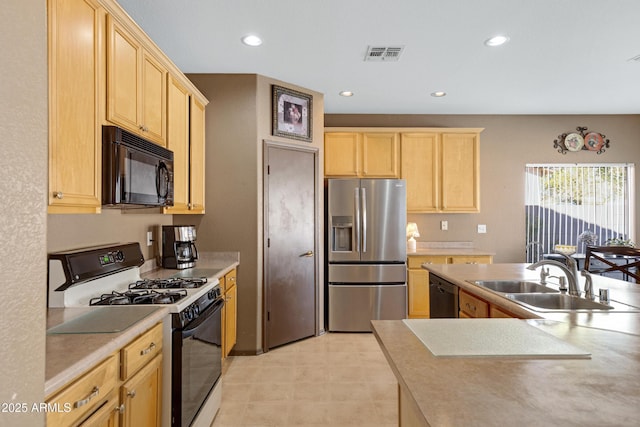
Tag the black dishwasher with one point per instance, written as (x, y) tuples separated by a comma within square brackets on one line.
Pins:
[(443, 298)]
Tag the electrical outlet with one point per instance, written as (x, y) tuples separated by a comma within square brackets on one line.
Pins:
[(149, 238), (482, 228), (444, 225)]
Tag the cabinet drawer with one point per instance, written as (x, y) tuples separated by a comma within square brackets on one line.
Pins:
[(229, 280), (471, 259), (81, 397), (415, 261), (498, 312), (141, 351), (473, 306)]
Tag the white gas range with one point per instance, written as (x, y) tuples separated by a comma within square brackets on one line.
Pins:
[(110, 276)]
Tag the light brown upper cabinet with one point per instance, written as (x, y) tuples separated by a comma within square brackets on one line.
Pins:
[(136, 85), (362, 154), (197, 150), (185, 137), (442, 170), (75, 105)]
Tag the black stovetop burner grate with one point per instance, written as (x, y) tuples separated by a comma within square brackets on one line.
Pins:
[(170, 283), (143, 296)]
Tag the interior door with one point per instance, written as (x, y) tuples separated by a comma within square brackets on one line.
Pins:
[(291, 227)]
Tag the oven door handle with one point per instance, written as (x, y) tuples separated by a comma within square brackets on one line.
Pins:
[(193, 326)]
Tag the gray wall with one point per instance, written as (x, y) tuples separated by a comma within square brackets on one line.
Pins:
[(23, 178), (238, 119), (506, 145)]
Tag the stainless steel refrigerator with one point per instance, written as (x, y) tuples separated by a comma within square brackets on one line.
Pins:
[(367, 251)]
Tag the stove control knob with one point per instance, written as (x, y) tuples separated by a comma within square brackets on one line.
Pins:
[(119, 256), (196, 310)]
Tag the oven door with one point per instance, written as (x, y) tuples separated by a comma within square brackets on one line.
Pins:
[(197, 363)]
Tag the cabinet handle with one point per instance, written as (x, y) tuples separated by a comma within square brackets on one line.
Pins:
[(58, 194), (131, 394), (143, 128), (87, 399), (471, 307), (119, 409), (471, 262), (307, 254), (148, 349)]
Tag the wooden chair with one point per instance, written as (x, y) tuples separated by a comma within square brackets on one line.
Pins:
[(603, 254)]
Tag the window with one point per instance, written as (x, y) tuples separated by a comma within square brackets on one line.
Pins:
[(563, 201)]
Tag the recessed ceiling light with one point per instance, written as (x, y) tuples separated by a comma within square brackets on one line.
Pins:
[(496, 41), (438, 94), (346, 93), (252, 40)]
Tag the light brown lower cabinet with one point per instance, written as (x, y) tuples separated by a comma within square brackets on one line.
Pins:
[(123, 390), (229, 312)]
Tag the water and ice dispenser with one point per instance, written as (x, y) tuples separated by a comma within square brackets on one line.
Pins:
[(341, 233)]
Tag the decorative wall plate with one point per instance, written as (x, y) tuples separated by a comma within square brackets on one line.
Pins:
[(593, 141), (574, 142)]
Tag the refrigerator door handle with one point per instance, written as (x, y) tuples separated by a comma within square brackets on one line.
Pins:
[(356, 197), (364, 220)]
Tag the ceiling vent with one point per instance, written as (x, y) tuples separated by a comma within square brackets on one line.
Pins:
[(383, 53)]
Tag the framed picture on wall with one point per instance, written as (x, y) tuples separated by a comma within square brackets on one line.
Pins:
[(292, 114)]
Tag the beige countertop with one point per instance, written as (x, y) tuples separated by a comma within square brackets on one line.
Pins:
[(70, 355), (497, 391), (500, 391)]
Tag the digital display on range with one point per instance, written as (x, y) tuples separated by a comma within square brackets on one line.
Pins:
[(106, 259)]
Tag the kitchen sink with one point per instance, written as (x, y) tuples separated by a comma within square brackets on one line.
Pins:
[(513, 286), (561, 302)]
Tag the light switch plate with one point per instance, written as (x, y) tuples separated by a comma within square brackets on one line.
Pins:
[(444, 225), (482, 228), (149, 238)]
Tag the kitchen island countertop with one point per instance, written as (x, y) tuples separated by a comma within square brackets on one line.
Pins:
[(488, 391)]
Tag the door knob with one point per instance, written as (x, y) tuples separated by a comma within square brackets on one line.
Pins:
[(307, 254)]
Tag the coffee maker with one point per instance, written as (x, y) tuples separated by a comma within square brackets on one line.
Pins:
[(177, 248)]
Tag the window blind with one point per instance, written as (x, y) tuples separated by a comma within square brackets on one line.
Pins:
[(564, 203)]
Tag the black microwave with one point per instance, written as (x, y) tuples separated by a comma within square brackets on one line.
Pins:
[(135, 172)]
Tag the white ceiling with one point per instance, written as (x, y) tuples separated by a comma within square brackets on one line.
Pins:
[(564, 56)]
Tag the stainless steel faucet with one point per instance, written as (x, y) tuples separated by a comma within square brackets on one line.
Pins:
[(572, 277), (588, 285)]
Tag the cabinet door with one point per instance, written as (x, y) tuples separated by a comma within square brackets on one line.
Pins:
[(197, 162), (142, 395), (231, 314), (178, 142), (342, 154), (380, 155), (75, 134), (123, 67), (419, 154), (460, 172), (418, 290), (153, 99)]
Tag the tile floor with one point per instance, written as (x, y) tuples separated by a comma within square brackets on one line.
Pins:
[(332, 380)]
